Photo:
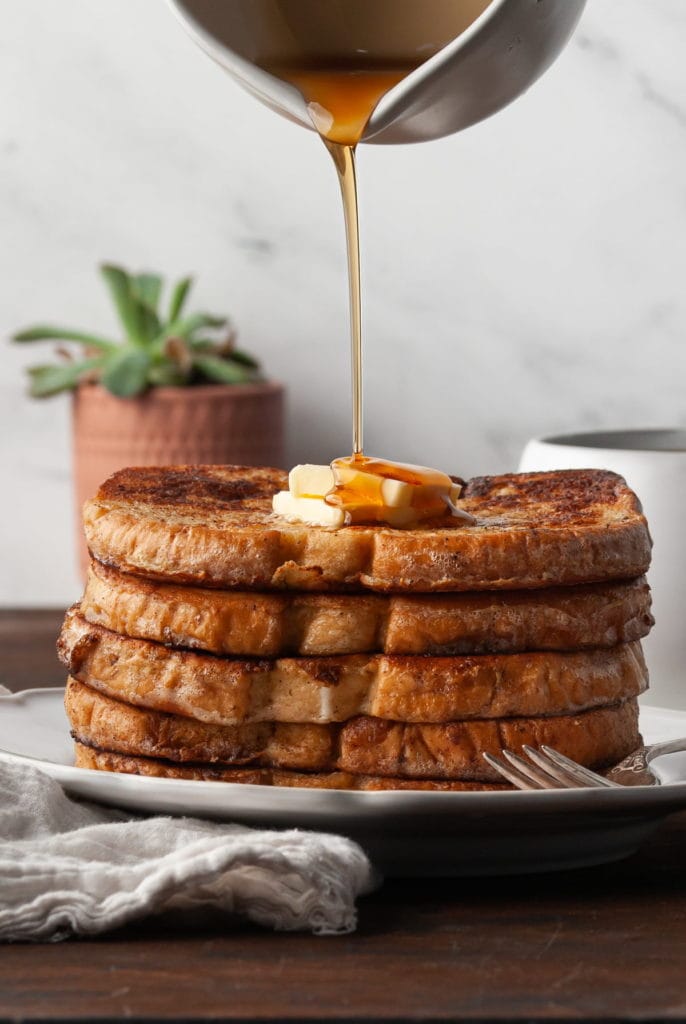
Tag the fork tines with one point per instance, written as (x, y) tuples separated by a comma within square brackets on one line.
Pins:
[(545, 769)]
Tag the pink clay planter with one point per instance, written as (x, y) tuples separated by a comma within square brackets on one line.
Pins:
[(218, 424)]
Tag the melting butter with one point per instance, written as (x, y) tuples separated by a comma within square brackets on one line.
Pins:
[(360, 489)]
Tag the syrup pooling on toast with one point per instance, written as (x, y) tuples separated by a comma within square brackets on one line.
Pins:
[(376, 490)]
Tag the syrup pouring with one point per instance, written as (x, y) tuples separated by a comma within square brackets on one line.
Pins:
[(342, 58)]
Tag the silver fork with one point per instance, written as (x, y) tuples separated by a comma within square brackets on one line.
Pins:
[(549, 769)]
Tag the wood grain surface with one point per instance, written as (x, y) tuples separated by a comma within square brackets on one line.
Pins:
[(606, 943)]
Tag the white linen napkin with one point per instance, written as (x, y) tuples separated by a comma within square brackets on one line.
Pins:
[(69, 867)]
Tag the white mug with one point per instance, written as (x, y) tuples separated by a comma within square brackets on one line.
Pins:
[(653, 463)]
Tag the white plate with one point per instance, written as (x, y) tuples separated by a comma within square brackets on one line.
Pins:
[(405, 833)]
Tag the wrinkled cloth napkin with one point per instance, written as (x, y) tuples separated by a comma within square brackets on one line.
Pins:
[(69, 867)]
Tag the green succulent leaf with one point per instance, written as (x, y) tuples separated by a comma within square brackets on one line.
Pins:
[(126, 374), (202, 344), (50, 380), (147, 288), (129, 309), (146, 291), (223, 371), (45, 332), (167, 375), (186, 350), (178, 298), (213, 347), (238, 356), (151, 324), (185, 328), (188, 325)]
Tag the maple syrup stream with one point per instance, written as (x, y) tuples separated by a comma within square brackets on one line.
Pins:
[(340, 103)]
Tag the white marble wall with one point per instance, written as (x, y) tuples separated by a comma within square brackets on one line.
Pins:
[(525, 277)]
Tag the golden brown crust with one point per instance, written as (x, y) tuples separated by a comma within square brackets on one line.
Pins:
[(597, 739), (205, 489), (363, 745), (213, 526), (104, 760), (101, 722), (269, 624), (230, 691)]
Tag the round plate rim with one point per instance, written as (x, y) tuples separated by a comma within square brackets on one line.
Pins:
[(659, 800)]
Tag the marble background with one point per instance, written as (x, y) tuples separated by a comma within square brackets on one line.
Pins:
[(522, 278)]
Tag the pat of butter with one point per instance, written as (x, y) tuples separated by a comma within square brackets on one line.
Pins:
[(359, 496), (398, 494), (308, 481), (314, 511), (392, 492), (395, 493)]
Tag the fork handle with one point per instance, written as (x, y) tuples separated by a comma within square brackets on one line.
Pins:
[(668, 747)]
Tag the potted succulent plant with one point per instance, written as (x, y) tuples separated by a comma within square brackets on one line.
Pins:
[(176, 389)]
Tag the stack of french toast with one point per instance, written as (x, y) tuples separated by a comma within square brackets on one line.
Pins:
[(218, 641)]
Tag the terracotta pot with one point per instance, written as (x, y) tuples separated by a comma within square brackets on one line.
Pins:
[(212, 424)]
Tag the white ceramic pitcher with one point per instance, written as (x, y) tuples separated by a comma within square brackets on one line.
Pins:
[(495, 59)]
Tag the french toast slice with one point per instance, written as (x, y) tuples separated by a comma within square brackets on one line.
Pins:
[(231, 691), (269, 624), (105, 760), (213, 526), (363, 745)]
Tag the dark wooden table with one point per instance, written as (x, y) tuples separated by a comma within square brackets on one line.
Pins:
[(601, 944)]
